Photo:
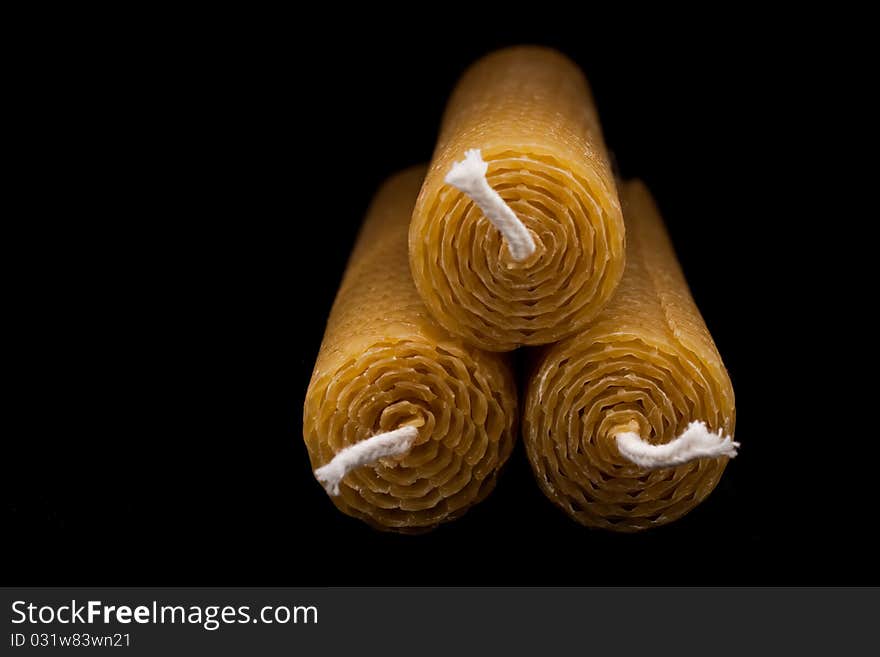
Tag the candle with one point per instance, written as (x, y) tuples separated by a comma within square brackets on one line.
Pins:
[(629, 424), (405, 425), (517, 237)]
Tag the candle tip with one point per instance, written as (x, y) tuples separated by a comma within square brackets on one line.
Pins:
[(469, 177), (365, 452), (694, 443)]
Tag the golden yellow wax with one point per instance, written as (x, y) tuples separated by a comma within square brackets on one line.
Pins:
[(647, 362), (385, 364), (530, 111)]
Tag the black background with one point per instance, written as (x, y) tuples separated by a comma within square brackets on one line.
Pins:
[(194, 191)]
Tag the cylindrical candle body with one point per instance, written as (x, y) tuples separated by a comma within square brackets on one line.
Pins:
[(530, 112), (647, 364), (384, 364)]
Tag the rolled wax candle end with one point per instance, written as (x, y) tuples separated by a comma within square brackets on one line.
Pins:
[(520, 145), (406, 426), (629, 424)]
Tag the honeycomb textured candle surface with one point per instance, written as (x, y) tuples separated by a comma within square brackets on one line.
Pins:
[(384, 364), (531, 114), (647, 364)]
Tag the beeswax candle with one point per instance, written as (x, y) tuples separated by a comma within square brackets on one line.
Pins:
[(406, 425), (628, 424), (523, 121)]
